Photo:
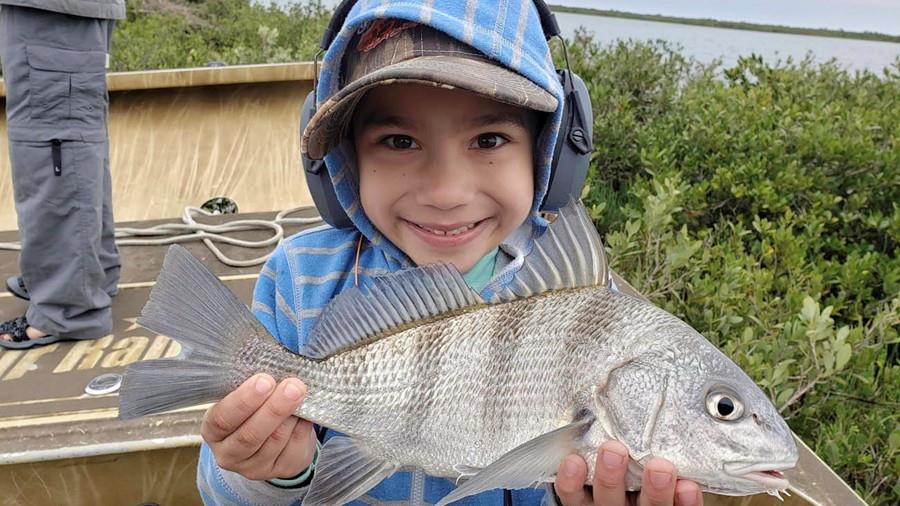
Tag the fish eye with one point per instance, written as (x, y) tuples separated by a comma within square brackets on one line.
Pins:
[(724, 405)]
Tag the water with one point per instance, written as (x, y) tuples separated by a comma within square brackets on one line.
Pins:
[(706, 44)]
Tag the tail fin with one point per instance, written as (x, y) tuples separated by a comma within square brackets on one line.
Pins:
[(189, 304)]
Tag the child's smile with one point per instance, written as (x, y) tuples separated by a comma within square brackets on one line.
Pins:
[(446, 235), (445, 175)]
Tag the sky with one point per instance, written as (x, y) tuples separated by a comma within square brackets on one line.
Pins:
[(853, 15)]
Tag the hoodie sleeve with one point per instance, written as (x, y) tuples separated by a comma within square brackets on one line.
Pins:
[(216, 485), (273, 298)]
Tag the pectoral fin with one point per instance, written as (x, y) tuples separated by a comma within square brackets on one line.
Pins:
[(530, 464), (344, 472)]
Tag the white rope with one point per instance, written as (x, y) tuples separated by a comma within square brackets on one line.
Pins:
[(190, 230)]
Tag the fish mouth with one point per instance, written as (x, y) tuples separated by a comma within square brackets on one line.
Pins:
[(767, 474)]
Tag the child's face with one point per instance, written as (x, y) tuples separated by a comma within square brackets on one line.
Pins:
[(445, 175)]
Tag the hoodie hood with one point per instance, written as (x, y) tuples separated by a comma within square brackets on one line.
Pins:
[(506, 31)]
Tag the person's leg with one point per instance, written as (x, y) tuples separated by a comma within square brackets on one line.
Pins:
[(109, 252), (56, 112)]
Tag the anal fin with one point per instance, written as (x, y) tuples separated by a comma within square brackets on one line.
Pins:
[(344, 472), (529, 464)]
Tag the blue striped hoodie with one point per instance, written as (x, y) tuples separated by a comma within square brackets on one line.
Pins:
[(310, 268)]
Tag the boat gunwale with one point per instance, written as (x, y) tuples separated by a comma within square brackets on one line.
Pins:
[(205, 76)]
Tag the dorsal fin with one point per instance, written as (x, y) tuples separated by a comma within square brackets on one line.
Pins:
[(392, 300), (568, 255)]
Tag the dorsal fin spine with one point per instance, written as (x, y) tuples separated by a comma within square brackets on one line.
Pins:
[(570, 264), (377, 309), (454, 292), (580, 258), (402, 309), (457, 295), (568, 254), (358, 323), (366, 320), (427, 304), (430, 287), (368, 314), (543, 283), (385, 303), (564, 260), (391, 313)]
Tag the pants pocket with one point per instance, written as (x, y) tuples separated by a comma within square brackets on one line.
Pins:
[(44, 173), (89, 96), (66, 84)]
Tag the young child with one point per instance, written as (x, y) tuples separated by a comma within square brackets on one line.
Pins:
[(438, 153)]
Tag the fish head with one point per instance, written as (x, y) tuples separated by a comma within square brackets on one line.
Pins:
[(689, 403), (734, 441)]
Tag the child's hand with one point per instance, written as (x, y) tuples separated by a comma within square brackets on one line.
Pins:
[(659, 487), (253, 432)]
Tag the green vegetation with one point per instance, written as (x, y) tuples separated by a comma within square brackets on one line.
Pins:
[(737, 25), (760, 203), (189, 33)]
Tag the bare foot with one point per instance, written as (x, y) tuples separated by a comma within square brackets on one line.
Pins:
[(31, 332)]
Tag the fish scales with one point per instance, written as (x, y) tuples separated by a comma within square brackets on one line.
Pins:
[(489, 379)]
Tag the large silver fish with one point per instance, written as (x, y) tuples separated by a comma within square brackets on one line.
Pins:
[(416, 370)]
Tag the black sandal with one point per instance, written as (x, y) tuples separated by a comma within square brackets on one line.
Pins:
[(16, 286), (20, 340)]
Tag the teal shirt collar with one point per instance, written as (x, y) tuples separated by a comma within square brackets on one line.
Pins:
[(481, 273)]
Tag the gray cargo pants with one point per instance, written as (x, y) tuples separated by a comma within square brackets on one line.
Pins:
[(54, 66)]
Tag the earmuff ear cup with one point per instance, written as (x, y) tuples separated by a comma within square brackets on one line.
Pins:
[(317, 178), (572, 153)]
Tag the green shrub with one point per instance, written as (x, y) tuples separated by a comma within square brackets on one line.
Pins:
[(180, 33), (760, 204)]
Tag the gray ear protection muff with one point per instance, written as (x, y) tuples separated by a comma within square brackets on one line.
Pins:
[(571, 156), (318, 181)]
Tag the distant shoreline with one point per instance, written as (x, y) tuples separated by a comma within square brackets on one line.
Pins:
[(737, 25)]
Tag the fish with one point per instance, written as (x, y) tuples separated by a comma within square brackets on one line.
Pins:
[(414, 368)]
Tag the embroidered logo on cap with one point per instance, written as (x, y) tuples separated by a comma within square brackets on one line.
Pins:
[(381, 30)]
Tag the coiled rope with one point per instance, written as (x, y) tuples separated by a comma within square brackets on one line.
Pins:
[(190, 230)]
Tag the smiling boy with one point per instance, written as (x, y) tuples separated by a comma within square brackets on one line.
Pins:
[(407, 136), (437, 122)]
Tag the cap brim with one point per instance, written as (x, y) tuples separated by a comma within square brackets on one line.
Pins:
[(490, 80)]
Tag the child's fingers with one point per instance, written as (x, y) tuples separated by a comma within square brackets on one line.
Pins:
[(609, 474), (687, 493), (658, 487), (261, 465), (570, 477), (224, 417), (298, 453), (253, 433), (259, 427)]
